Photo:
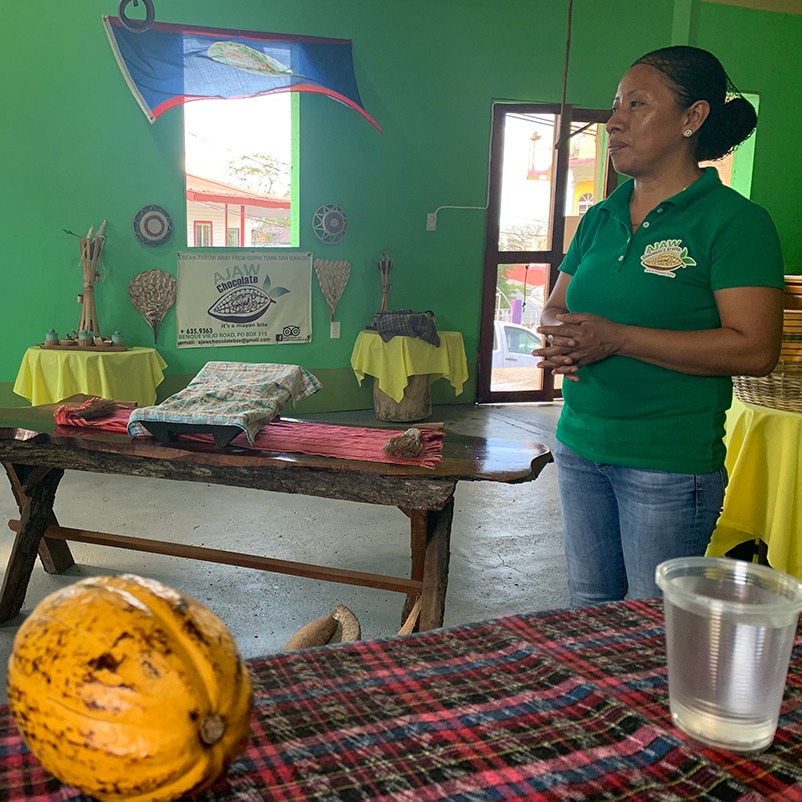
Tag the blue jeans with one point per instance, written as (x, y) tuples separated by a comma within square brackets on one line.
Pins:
[(620, 523)]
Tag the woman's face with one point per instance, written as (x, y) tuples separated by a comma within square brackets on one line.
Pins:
[(645, 130)]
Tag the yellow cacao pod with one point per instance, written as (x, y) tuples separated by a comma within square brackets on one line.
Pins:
[(129, 690)]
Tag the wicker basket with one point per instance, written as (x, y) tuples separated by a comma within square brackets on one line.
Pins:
[(781, 389), (793, 292)]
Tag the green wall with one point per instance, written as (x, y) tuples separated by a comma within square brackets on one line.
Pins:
[(761, 51), (77, 149)]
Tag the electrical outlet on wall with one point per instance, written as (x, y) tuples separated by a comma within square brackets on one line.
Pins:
[(431, 221), (334, 331)]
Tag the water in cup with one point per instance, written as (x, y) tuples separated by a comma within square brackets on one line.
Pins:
[(730, 627)]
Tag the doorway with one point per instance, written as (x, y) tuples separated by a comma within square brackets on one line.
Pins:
[(548, 165)]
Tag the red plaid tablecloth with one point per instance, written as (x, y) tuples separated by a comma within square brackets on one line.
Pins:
[(547, 706)]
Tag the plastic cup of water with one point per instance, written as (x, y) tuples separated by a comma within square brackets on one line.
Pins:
[(730, 628)]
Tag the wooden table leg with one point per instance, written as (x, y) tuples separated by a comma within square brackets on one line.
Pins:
[(36, 514), (417, 541), (55, 555), (431, 541), (435, 569)]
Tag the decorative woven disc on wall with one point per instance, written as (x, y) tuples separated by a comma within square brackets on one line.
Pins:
[(152, 225), (329, 223)]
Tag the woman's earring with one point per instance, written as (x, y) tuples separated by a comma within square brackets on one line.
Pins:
[(687, 133)]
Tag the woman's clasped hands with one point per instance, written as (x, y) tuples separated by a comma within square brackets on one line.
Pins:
[(579, 339)]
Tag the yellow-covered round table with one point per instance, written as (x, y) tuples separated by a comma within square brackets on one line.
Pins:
[(764, 495), (403, 363), (48, 375)]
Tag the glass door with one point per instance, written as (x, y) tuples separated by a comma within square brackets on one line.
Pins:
[(546, 170)]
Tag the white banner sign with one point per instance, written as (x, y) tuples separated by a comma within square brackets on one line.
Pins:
[(245, 298)]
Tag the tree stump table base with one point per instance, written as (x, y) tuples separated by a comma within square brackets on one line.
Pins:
[(415, 405)]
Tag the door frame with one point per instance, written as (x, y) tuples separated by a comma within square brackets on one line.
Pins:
[(493, 257)]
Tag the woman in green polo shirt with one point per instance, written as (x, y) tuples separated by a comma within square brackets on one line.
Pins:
[(671, 286)]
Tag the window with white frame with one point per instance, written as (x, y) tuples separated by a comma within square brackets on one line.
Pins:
[(202, 233), (584, 203)]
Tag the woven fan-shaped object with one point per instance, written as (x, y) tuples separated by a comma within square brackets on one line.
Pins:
[(332, 275), (153, 293)]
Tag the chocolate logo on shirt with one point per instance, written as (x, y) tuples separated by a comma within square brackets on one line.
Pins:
[(666, 256)]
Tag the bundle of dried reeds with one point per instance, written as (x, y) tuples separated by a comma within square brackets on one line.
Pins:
[(91, 245), (385, 269)]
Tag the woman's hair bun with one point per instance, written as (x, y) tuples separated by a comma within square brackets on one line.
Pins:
[(742, 117), (726, 128)]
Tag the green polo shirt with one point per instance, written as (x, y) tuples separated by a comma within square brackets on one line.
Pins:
[(708, 237)]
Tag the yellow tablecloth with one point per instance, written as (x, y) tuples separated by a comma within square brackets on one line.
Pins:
[(764, 496), (47, 376), (393, 362)]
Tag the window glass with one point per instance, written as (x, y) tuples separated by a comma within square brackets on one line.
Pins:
[(238, 167), (202, 234), (526, 190), (520, 341), (519, 302)]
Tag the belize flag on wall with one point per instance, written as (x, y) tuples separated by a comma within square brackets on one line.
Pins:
[(170, 64)]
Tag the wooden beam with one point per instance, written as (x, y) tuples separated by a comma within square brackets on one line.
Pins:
[(779, 6), (380, 581), (685, 25)]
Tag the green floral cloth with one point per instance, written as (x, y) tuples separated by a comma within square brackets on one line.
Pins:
[(242, 394)]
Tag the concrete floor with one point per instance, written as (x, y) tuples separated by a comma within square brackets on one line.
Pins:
[(506, 544)]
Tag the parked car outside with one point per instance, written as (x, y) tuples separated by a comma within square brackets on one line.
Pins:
[(513, 345)]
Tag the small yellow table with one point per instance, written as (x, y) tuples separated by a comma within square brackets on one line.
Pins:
[(395, 364), (394, 361), (48, 375), (764, 495)]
